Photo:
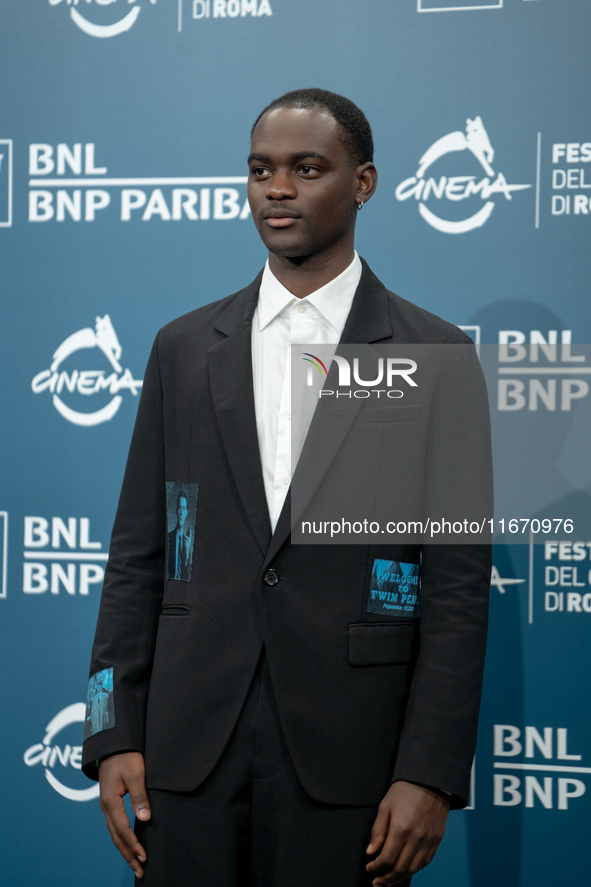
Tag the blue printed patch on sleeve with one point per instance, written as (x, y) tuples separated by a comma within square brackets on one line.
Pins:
[(100, 703), (394, 589)]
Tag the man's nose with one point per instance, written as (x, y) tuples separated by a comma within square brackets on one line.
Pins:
[(282, 185)]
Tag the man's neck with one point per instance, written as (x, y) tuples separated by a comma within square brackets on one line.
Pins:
[(303, 276)]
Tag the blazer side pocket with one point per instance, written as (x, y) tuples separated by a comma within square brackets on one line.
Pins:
[(175, 610), (383, 643)]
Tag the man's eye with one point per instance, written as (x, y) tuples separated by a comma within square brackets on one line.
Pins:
[(259, 171)]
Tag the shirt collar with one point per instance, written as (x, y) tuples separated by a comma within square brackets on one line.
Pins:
[(333, 300)]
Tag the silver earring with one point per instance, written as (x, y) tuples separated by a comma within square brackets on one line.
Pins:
[(360, 205)]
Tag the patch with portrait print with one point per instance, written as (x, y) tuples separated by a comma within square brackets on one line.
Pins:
[(394, 589), (181, 511), (100, 703)]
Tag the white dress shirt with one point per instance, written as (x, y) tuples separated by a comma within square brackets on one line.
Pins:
[(281, 320)]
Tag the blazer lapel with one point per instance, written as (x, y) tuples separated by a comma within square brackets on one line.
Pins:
[(368, 321), (230, 378)]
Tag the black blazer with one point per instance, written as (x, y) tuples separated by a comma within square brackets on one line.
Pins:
[(363, 698)]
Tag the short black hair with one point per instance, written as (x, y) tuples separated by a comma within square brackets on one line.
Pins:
[(182, 495), (357, 135)]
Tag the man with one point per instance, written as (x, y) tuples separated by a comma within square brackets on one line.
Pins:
[(286, 734), (179, 542)]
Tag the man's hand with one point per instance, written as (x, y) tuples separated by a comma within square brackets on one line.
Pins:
[(406, 833), (119, 775)]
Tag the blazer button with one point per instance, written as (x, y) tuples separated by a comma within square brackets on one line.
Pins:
[(271, 577)]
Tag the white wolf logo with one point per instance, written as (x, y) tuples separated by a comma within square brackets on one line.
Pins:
[(103, 336), (476, 140)]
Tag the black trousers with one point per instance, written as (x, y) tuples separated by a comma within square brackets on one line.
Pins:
[(251, 824)]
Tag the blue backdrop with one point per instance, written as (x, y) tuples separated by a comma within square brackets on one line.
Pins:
[(123, 139)]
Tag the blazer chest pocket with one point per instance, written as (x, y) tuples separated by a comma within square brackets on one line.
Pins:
[(377, 643), (389, 414)]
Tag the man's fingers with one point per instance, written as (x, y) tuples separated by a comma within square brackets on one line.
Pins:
[(379, 830), (119, 775), (128, 846), (395, 863), (393, 871), (122, 835), (139, 798), (403, 866), (119, 827), (385, 862)]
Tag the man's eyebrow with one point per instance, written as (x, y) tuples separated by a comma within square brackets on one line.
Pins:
[(302, 155), (298, 155), (263, 158)]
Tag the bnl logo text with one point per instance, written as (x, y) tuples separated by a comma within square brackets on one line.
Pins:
[(81, 189), (49, 567), (510, 790), (554, 365)]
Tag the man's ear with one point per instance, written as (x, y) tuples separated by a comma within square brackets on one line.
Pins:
[(367, 181)]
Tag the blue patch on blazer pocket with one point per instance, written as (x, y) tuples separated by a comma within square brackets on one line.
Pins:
[(100, 703), (394, 589), (181, 511)]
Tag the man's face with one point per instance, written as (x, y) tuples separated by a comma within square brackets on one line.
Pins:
[(181, 511), (302, 182)]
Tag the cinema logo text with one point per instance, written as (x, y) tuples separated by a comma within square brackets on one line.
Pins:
[(87, 382), (97, 22), (54, 753), (60, 556), (454, 189), (67, 184)]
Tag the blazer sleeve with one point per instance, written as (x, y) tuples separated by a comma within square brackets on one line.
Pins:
[(439, 734), (132, 591)]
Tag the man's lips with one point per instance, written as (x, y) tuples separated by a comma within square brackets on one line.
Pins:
[(284, 222), (280, 218)]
